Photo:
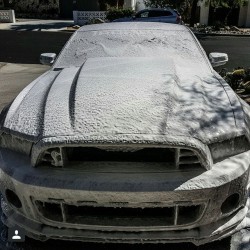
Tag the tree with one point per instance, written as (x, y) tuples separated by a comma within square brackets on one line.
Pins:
[(190, 6), (183, 6), (164, 3), (156, 3), (114, 13), (228, 4), (110, 3), (193, 12)]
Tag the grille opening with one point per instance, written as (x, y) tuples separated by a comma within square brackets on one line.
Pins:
[(120, 216), (51, 211), (173, 157), (231, 203), (115, 216), (12, 198), (189, 159), (189, 166), (188, 214), (141, 155), (186, 152), (47, 157)]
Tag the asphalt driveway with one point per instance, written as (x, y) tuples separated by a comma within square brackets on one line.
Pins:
[(26, 46)]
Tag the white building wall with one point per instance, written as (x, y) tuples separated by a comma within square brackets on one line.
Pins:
[(136, 5), (129, 4), (247, 24), (242, 16), (204, 12), (7, 16), (140, 5)]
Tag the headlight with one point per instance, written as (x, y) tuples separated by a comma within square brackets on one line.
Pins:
[(15, 143), (227, 148)]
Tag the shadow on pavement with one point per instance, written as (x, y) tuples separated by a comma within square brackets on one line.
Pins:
[(43, 26)]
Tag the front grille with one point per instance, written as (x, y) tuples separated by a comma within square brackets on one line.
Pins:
[(64, 156), (132, 155), (120, 216)]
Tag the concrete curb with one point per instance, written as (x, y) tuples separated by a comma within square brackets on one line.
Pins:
[(67, 30), (2, 64), (196, 33), (215, 34)]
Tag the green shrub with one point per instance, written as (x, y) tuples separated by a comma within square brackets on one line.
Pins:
[(238, 79), (218, 25), (113, 13)]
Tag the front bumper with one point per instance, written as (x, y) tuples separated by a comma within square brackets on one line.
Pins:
[(174, 191), (198, 236)]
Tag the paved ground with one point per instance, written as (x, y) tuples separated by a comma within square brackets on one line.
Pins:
[(37, 25), (25, 47), (237, 48), (13, 78)]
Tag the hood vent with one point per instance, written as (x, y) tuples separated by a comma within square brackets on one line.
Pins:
[(186, 159)]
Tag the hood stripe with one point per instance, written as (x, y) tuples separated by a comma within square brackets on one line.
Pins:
[(72, 97), (57, 117)]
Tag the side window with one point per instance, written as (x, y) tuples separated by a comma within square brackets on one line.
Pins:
[(166, 13), (143, 14), (154, 13), (159, 13)]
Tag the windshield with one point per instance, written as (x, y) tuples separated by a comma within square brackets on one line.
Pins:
[(178, 45)]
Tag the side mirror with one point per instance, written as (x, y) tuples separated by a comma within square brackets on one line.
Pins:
[(47, 58), (218, 59)]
